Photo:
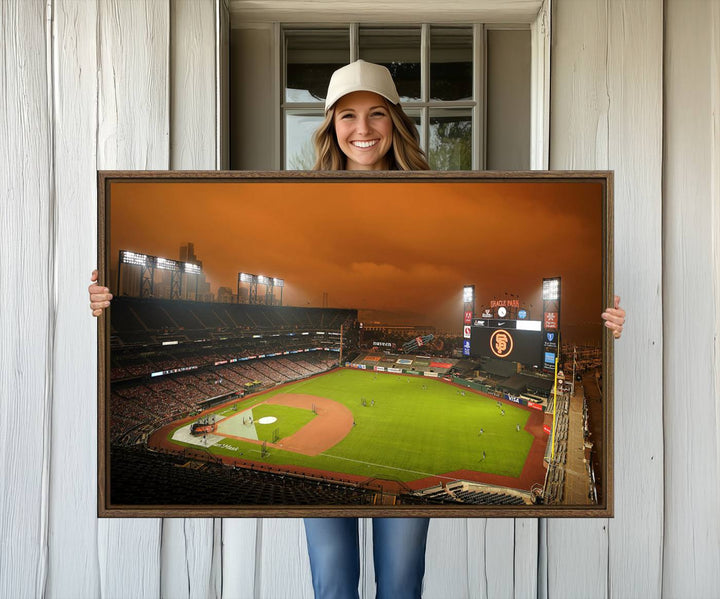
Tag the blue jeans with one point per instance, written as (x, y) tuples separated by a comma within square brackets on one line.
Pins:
[(398, 551)]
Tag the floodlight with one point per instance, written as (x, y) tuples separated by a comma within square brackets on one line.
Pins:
[(165, 264), (278, 282), (192, 269), (263, 280), (247, 277), (551, 289), (127, 257), (468, 294)]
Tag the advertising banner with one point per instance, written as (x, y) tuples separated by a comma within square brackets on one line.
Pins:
[(550, 320), (395, 370), (514, 399), (549, 359), (380, 368), (535, 406), (431, 374), (404, 361), (440, 365)]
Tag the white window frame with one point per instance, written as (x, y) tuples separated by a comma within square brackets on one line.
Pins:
[(477, 107), (535, 15)]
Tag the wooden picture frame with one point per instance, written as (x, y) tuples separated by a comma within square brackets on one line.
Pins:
[(406, 414)]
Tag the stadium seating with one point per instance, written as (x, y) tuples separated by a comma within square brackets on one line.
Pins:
[(132, 316), (141, 477), (465, 492), (152, 402)]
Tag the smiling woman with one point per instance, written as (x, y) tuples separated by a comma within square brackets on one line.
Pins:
[(365, 128)]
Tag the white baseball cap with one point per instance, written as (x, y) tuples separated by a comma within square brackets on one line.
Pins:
[(361, 76)]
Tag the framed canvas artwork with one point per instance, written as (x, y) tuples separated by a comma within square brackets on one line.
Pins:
[(355, 344)]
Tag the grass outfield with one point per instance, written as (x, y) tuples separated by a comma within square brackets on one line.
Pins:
[(410, 432)]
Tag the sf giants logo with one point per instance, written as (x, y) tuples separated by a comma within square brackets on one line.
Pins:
[(501, 343)]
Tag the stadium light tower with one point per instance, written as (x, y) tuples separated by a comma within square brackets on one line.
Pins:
[(468, 313), (267, 281), (252, 280), (193, 269), (551, 289), (551, 293), (279, 283), (468, 294), (147, 271), (175, 269)]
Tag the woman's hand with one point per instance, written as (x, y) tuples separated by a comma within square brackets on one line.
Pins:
[(614, 318), (99, 296)]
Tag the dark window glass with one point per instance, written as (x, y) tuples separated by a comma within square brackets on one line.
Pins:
[(451, 63), (311, 57), (398, 50)]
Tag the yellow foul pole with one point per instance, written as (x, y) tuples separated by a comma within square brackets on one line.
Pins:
[(552, 448)]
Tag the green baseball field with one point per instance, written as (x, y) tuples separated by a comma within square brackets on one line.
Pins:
[(372, 425)]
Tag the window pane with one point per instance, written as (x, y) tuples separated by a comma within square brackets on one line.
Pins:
[(299, 149), (451, 56), (414, 115), (450, 147), (311, 57), (398, 50)]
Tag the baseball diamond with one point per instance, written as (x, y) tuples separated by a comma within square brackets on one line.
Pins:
[(353, 425)]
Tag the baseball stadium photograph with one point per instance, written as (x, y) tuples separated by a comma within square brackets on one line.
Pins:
[(354, 346)]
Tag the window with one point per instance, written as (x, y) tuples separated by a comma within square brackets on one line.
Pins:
[(439, 72), (466, 86)]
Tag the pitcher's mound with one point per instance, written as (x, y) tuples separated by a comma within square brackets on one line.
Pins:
[(267, 420)]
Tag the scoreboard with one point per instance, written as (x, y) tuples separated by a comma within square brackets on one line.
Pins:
[(504, 332), (513, 340)]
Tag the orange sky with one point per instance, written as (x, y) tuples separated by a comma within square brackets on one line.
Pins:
[(397, 246)]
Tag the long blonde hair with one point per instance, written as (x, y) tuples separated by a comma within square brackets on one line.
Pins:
[(404, 155)]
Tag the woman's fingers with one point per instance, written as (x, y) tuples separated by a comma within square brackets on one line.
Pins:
[(99, 296), (615, 318)]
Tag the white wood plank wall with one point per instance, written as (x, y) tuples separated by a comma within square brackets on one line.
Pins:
[(134, 85), (27, 315), (73, 548), (606, 112), (692, 271)]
